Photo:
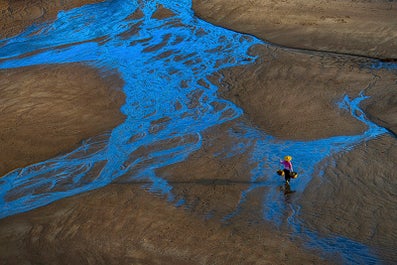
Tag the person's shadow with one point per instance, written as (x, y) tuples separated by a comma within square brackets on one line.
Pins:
[(286, 189)]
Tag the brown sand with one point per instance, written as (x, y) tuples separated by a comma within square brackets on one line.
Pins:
[(291, 89), (122, 224), (381, 107), (49, 110), (360, 27), (293, 94), (15, 16), (213, 184), (357, 198)]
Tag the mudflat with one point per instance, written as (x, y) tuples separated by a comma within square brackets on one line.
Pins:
[(294, 95), (48, 110), (325, 50), (337, 28), (16, 16), (365, 28), (285, 88)]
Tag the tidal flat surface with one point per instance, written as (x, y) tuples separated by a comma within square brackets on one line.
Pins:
[(187, 148)]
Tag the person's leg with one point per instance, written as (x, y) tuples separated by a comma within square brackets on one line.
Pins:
[(287, 175)]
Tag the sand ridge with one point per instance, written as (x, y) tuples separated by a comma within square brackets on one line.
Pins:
[(294, 95), (48, 110), (365, 28)]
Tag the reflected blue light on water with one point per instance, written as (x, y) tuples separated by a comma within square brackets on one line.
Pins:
[(308, 154), (349, 251), (169, 103), (169, 100), (384, 65), (269, 151)]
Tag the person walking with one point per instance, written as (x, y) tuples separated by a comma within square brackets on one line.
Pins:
[(288, 169)]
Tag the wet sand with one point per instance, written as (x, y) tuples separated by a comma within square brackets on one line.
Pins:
[(294, 95), (48, 110), (18, 15), (362, 28), (365, 28), (356, 198), (47, 114), (124, 224)]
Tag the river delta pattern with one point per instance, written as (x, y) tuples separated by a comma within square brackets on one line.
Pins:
[(165, 64)]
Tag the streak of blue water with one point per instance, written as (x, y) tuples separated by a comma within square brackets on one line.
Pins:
[(269, 150), (169, 103), (158, 85), (384, 65)]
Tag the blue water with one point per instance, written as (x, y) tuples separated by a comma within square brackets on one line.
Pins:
[(384, 65), (169, 103)]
